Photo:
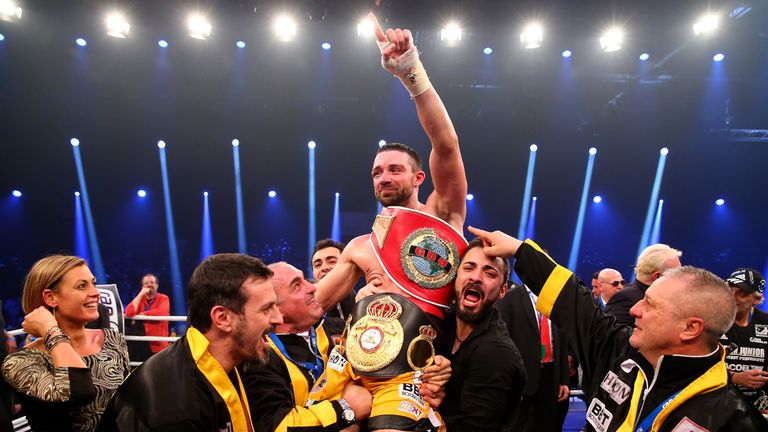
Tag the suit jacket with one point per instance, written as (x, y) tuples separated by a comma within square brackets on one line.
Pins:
[(517, 312), (623, 300)]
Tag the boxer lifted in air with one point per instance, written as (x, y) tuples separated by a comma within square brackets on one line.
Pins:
[(409, 260)]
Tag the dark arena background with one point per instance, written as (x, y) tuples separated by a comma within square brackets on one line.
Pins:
[(117, 98)]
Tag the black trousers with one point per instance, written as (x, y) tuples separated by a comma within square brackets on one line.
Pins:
[(541, 412)]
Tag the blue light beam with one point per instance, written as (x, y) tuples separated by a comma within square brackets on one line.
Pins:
[(312, 222), (527, 194), (530, 229), (336, 225), (656, 231), (576, 244), (179, 302), (81, 232), (645, 237), (206, 243), (98, 264), (239, 198)]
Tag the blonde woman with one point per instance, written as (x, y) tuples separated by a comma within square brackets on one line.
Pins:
[(66, 377)]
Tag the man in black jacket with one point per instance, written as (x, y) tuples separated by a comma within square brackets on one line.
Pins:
[(545, 359), (652, 262), (668, 374), (488, 374)]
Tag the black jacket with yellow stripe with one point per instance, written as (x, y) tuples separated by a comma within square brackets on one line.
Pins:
[(618, 374), (278, 392)]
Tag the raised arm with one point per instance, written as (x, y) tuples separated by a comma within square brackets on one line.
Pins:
[(400, 57), (338, 283)]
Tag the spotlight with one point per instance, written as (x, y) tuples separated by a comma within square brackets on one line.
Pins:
[(535, 198), (337, 194), (382, 143), (9, 10), (235, 142), (532, 36), (567, 54), (644, 56), (205, 194), (162, 44), (272, 194), (16, 193), (2, 37), (117, 26), (451, 33), (141, 193), (664, 151), (285, 28), (326, 46), (240, 44), (534, 148), (75, 142), (81, 42), (77, 194), (470, 197), (706, 24), (597, 199), (365, 27), (719, 201), (592, 151), (161, 144), (199, 27), (612, 39), (719, 57), (311, 144), (488, 51)]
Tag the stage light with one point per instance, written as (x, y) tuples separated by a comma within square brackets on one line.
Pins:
[(365, 27), (382, 143), (644, 56), (205, 194), (326, 46), (719, 57), (337, 194), (141, 193), (272, 194), (707, 24), (162, 44), (75, 142), (2, 37), (535, 198), (612, 39), (81, 42), (597, 199), (199, 27), (451, 33), (285, 28), (488, 51), (16, 193), (470, 197), (664, 151), (592, 151), (532, 36), (117, 26), (9, 10), (534, 147), (311, 144), (235, 142), (240, 44), (77, 194), (720, 201), (161, 144), (567, 54)]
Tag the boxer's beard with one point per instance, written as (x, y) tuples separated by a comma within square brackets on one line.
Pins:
[(397, 197)]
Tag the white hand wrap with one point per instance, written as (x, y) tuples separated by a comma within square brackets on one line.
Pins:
[(408, 68)]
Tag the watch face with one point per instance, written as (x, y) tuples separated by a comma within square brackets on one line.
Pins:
[(349, 415)]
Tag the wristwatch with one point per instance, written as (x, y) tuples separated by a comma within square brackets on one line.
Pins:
[(347, 413)]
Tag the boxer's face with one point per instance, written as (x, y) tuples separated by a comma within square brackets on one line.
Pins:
[(394, 180), (479, 283)]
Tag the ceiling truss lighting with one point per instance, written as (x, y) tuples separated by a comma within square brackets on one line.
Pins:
[(706, 25), (9, 11), (199, 27), (117, 26), (451, 33), (285, 28), (532, 36), (612, 40)]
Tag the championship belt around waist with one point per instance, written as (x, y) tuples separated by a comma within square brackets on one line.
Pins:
[(420, 253), (388, 336)]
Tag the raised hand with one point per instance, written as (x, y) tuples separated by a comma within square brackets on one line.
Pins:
[(37, 322), (497, 243), (400, 56)]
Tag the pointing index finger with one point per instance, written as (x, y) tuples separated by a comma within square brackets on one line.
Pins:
[(380, 36)]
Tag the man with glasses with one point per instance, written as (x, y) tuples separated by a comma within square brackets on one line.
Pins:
[(611, 282)]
